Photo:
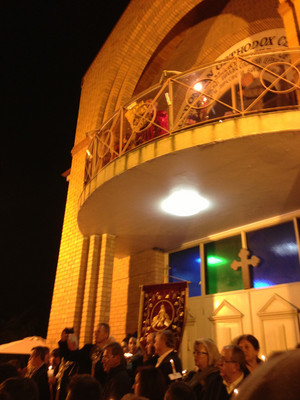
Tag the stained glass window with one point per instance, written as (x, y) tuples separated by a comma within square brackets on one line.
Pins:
[(185, 264), (219, 255), (277, 249)]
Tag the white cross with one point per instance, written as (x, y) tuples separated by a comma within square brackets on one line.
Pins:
[(244, 264)]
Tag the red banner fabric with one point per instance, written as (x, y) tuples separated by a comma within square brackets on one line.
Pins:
[(163, 307)]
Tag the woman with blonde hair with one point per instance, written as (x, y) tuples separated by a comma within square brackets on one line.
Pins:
[(206, 357)]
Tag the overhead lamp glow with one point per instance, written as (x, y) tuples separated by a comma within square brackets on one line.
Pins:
[(198, 86), (184, 202)]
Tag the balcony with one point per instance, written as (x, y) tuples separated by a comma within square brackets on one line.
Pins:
[(230, 129), (233, 88)]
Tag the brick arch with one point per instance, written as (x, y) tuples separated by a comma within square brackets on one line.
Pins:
[(144, 39), (116, 71), (112, 77), (164, 17)]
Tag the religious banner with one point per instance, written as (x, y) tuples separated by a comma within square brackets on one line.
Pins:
[(163, 307)]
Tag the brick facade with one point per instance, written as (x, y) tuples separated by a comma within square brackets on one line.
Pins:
[(91, 284)]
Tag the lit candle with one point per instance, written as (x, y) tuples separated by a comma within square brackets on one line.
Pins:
[(50, 372), (236, 392), (263, 357), (173, 366)]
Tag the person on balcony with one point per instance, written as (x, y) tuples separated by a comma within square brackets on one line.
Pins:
[(252, 89)]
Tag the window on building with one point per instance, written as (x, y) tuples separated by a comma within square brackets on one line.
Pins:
[(219, 255), (185, 264), (276, 246)]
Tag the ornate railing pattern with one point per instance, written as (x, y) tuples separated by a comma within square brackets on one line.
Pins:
[(229, 88)]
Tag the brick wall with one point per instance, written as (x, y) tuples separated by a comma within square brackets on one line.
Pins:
[(72, 261), (129, 274)]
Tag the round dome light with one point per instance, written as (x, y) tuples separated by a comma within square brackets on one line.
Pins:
[(184, 202)]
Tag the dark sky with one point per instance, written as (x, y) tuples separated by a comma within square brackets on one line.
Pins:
[(46, 48)]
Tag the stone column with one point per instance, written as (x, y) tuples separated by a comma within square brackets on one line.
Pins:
[(90, 291), (289, 11), (104, 285)]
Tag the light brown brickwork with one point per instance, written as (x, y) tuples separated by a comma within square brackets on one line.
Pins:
[(119, 294), (129, 274), (72, 261), (104, 283), (290, 13), (90, 293)]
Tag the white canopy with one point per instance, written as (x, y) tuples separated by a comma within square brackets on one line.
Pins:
[(23, 346)]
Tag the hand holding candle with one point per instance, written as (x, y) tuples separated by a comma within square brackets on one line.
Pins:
[(173, 366), (50, 372)]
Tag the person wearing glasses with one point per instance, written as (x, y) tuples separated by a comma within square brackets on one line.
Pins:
[(206, 357), (232, 366)]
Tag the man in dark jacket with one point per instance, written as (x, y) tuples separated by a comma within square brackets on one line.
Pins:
[(168, 361), (37, 371), (90, 355), (233, 371), (150, 356), (114, 364)]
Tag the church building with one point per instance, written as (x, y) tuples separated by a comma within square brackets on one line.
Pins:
[(186, 167)]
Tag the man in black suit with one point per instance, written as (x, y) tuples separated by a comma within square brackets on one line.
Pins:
[(168, 361), (90, 355), (232, 373), (118, 381), (150, 356), (37, 371)]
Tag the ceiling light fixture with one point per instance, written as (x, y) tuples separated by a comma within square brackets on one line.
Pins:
[(184, 202), (198, 86)]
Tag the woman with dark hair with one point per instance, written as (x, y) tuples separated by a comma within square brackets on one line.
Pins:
[(150, 383), (250, 346), (206, 357)]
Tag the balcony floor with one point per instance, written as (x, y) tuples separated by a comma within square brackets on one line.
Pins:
[(246, 176)]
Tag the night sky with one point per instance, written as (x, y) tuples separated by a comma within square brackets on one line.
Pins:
[(46, 48)]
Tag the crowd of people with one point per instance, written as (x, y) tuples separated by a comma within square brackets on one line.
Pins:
[(108, 370)]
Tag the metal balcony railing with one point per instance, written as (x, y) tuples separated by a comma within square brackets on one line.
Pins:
[(231, 88)]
